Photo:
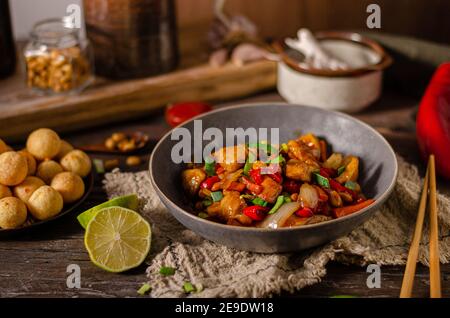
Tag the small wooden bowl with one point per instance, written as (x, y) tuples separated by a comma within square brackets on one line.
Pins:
[(141, 139)]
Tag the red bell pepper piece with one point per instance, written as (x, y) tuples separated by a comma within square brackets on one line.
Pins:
[(256, 212), (255, 174), (236, 186), (304, 213), (177, 114), (208, 183), (219, 169), (277, 177), (340, 188), (291, 187), (254, 188), (327, 172)]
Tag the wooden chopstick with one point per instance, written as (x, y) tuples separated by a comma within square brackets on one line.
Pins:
[(410, 271), (435, 272)]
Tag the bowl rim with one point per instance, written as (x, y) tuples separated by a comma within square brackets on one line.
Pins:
[(383, 197)]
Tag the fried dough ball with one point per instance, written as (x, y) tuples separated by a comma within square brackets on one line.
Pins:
[(45, 203), (13, 213), (64, 150), (43, 143), (24, 190), (77, 162), (5, 192), (30, 160), (3, 147), (47, 170), (13, 168), (69, 185)]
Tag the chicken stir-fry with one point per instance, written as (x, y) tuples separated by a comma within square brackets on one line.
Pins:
[(300, 184)]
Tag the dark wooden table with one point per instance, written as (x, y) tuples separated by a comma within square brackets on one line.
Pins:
[(36, 265)]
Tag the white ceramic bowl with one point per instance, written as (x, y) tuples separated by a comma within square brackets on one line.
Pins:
[(344, 90)]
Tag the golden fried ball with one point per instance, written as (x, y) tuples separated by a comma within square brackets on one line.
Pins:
[(69, 185), (24, 190), (13, 213), (45, 203), (5, 192), (64, 150), (3, 147), (30, 160), (47, 170), (13, 168), (43, 143), (77, 162)]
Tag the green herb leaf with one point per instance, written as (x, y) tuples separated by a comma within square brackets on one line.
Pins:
[(341, 170), (321, 180), (167, 271), (188, 288), (351, 185), (216, 196), (145, 288), (278, 204), (259, 201)]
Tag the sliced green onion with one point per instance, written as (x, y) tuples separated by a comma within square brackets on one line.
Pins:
[(260, 202), (203, 215), (278, 204), (188, 287), (210, 167), (216, 196), (145, 288), (287, 199), (167, 271), (99, 166), (322, 181), (341, 170), (247, 196), (248, 166), (351, 185), (206, 202)]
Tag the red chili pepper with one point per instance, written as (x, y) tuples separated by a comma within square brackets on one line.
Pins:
[(236, 186), (208, 183), (256, 212), (254, 188), (219, 169), (277, 177), (256, 176), (340, 188), (304, 213), (327, 172), (291, 187)]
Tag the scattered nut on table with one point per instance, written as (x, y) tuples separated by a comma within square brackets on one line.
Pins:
[(111, 164), (133, 161)]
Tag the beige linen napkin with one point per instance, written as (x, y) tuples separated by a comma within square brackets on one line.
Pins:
[(226, 272)]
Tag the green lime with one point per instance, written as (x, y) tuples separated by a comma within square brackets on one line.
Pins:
[(128, 201), (117, 239)]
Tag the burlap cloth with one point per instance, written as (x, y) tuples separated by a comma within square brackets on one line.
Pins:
[(226, 272)]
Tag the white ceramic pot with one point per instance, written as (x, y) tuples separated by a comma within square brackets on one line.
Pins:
[(344, 90)]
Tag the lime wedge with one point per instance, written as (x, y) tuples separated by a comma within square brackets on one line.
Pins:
[(128, 201), (117, 239)]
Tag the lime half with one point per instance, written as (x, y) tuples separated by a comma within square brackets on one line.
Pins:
[(117, 239), (128, 201)]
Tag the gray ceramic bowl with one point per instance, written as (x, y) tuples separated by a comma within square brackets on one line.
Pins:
[(345, 134)]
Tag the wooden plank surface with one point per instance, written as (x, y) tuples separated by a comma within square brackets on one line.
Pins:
[(22, 111), (35, 265)]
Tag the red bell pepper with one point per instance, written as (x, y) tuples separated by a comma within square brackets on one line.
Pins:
[(255, 174), (291, 186), (256, 212), (304, 213), (277, 177), (433, 121), (340, 188), (328, 172), (208, 183)]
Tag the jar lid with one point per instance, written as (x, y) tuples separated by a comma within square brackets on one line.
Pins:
[(56, 32)]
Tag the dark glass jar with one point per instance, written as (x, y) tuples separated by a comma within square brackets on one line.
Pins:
[(7, 50), (132, 38)]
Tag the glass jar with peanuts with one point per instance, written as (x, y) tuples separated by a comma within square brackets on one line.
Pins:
[(57, 59)]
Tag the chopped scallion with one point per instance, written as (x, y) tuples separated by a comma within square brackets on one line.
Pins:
[(210, 167), (351, 185), (260, 202), (216, 196), (322, 181), (341, 170), (188, 287), (167, 271), (145, 288), (203, 215), (278, 204)]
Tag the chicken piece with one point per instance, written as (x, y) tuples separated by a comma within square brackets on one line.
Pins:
[(271, 190), (231, 158), (230, 207), (313, 144), (191, 180), (300, 151), (300, 170)]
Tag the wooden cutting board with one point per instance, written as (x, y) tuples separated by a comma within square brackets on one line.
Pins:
[(22, 111)]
